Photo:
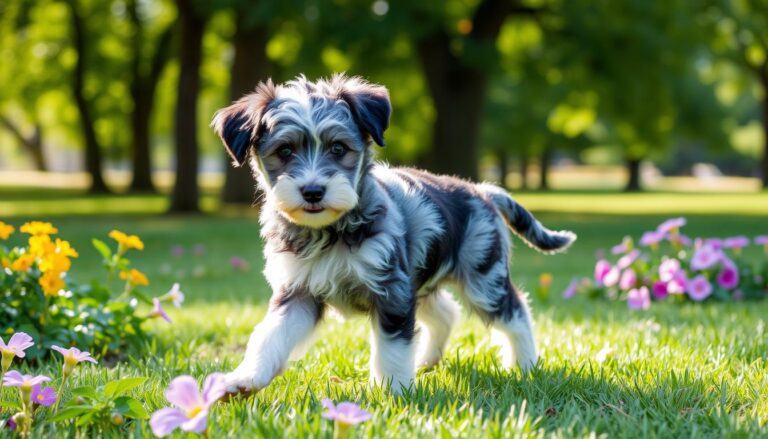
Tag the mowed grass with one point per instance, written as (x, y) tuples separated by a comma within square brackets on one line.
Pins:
[(673, 371)]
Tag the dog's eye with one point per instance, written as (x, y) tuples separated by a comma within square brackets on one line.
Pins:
[(284, 152), (338, 149)]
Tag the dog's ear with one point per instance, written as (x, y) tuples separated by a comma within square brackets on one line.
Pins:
[(239, 125), (369, 104)]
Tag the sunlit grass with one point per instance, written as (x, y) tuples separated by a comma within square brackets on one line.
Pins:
[(674, 371)]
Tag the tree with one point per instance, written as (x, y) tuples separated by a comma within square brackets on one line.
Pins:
[(145, 74), (92, 147), (249, 66), (32, 143), (185, 194)]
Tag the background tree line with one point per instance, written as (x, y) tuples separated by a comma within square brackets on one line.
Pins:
[(517, 81)]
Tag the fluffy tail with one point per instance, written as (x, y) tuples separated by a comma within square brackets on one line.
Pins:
[(523, 223)]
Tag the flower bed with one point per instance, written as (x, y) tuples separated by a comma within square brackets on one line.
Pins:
[(666, 265), (39, 297)]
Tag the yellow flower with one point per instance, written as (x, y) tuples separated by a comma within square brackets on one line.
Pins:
[(134, 277), (64, 248), (5, 230), (127, 241), (41, 245), (52, 283), (5, 263), (22, 263), (55, 262), (545, 280), (37, 228)]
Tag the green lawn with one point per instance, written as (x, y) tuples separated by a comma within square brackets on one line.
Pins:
[(674, 371)]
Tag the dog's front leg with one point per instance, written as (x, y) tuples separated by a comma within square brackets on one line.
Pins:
[(392, 347), (289, 321)]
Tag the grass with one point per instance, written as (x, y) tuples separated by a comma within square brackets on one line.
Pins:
[(674, 371)]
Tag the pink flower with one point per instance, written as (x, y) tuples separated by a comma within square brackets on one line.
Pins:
[(191, 411), (174, 295), (699, 288), (761, 240), (659, 290), (639, 298), (158, 310), (13, 378), (623, 247), (601, 270), (668, 269), (671, 225), (612, 277), (728, 278), (72, 357), (736, 242), (16, 346), (705, 257), (570, 291), (628, 279), (651, 239), (678, 284), (628, 259), (346, 413), (715, 243), (238, 263), (44, 397)]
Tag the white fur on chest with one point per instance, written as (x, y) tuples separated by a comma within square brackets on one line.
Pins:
[(336, 269)]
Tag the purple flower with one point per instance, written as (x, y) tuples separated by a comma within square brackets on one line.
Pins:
[(191, 411), (158, 310), (174, 295), (715, 243), (16, 346), (680, 239), (177, 251), (668, 269), (570, 291), (728, 278), (612, 277), (10, 424), (346, 413), (639, 298), (43, 396), (705, 257), (198, 249), (659, 290), (761, 240), (736, 242), (628, 259), (72, 357), (13, 378), (623, 247), (238, 263), (628, 279), (678, 284), (651, 239), (601, 270), (699, 288), (671, 225)]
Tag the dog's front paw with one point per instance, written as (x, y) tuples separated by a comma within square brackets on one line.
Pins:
[(244, 381)]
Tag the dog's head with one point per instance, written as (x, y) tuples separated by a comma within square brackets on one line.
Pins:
[(307, 142)]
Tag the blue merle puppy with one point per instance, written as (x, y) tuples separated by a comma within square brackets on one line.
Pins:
[(344, 231)]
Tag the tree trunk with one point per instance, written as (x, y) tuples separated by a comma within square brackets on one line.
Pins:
[(32, 144), (545, 164), (184, 197), (458, 89), (250, 65), (503, 159), (143, 88), (92, 147), (523, 170), (633, 169), (764, 170)]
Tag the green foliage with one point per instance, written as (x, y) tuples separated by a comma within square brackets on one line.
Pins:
[(39, 297), (103, 408)]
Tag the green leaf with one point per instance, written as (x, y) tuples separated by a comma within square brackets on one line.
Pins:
[(86, 392), (70, 413), (119, 387), (102, 248), (130, 408)]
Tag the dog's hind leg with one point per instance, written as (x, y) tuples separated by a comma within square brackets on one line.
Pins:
[(507, 312), (436, 313)]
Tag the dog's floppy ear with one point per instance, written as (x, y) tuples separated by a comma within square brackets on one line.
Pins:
[(369, 104), (239, 125)]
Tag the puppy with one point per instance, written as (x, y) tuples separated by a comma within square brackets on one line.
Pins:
[(343, 231)]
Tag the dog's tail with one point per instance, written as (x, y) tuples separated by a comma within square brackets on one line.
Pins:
[(523, 223)]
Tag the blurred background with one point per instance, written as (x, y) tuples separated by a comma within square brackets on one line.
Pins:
[(115, 96)]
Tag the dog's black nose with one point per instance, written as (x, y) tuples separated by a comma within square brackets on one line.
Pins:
[(312, 193)]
